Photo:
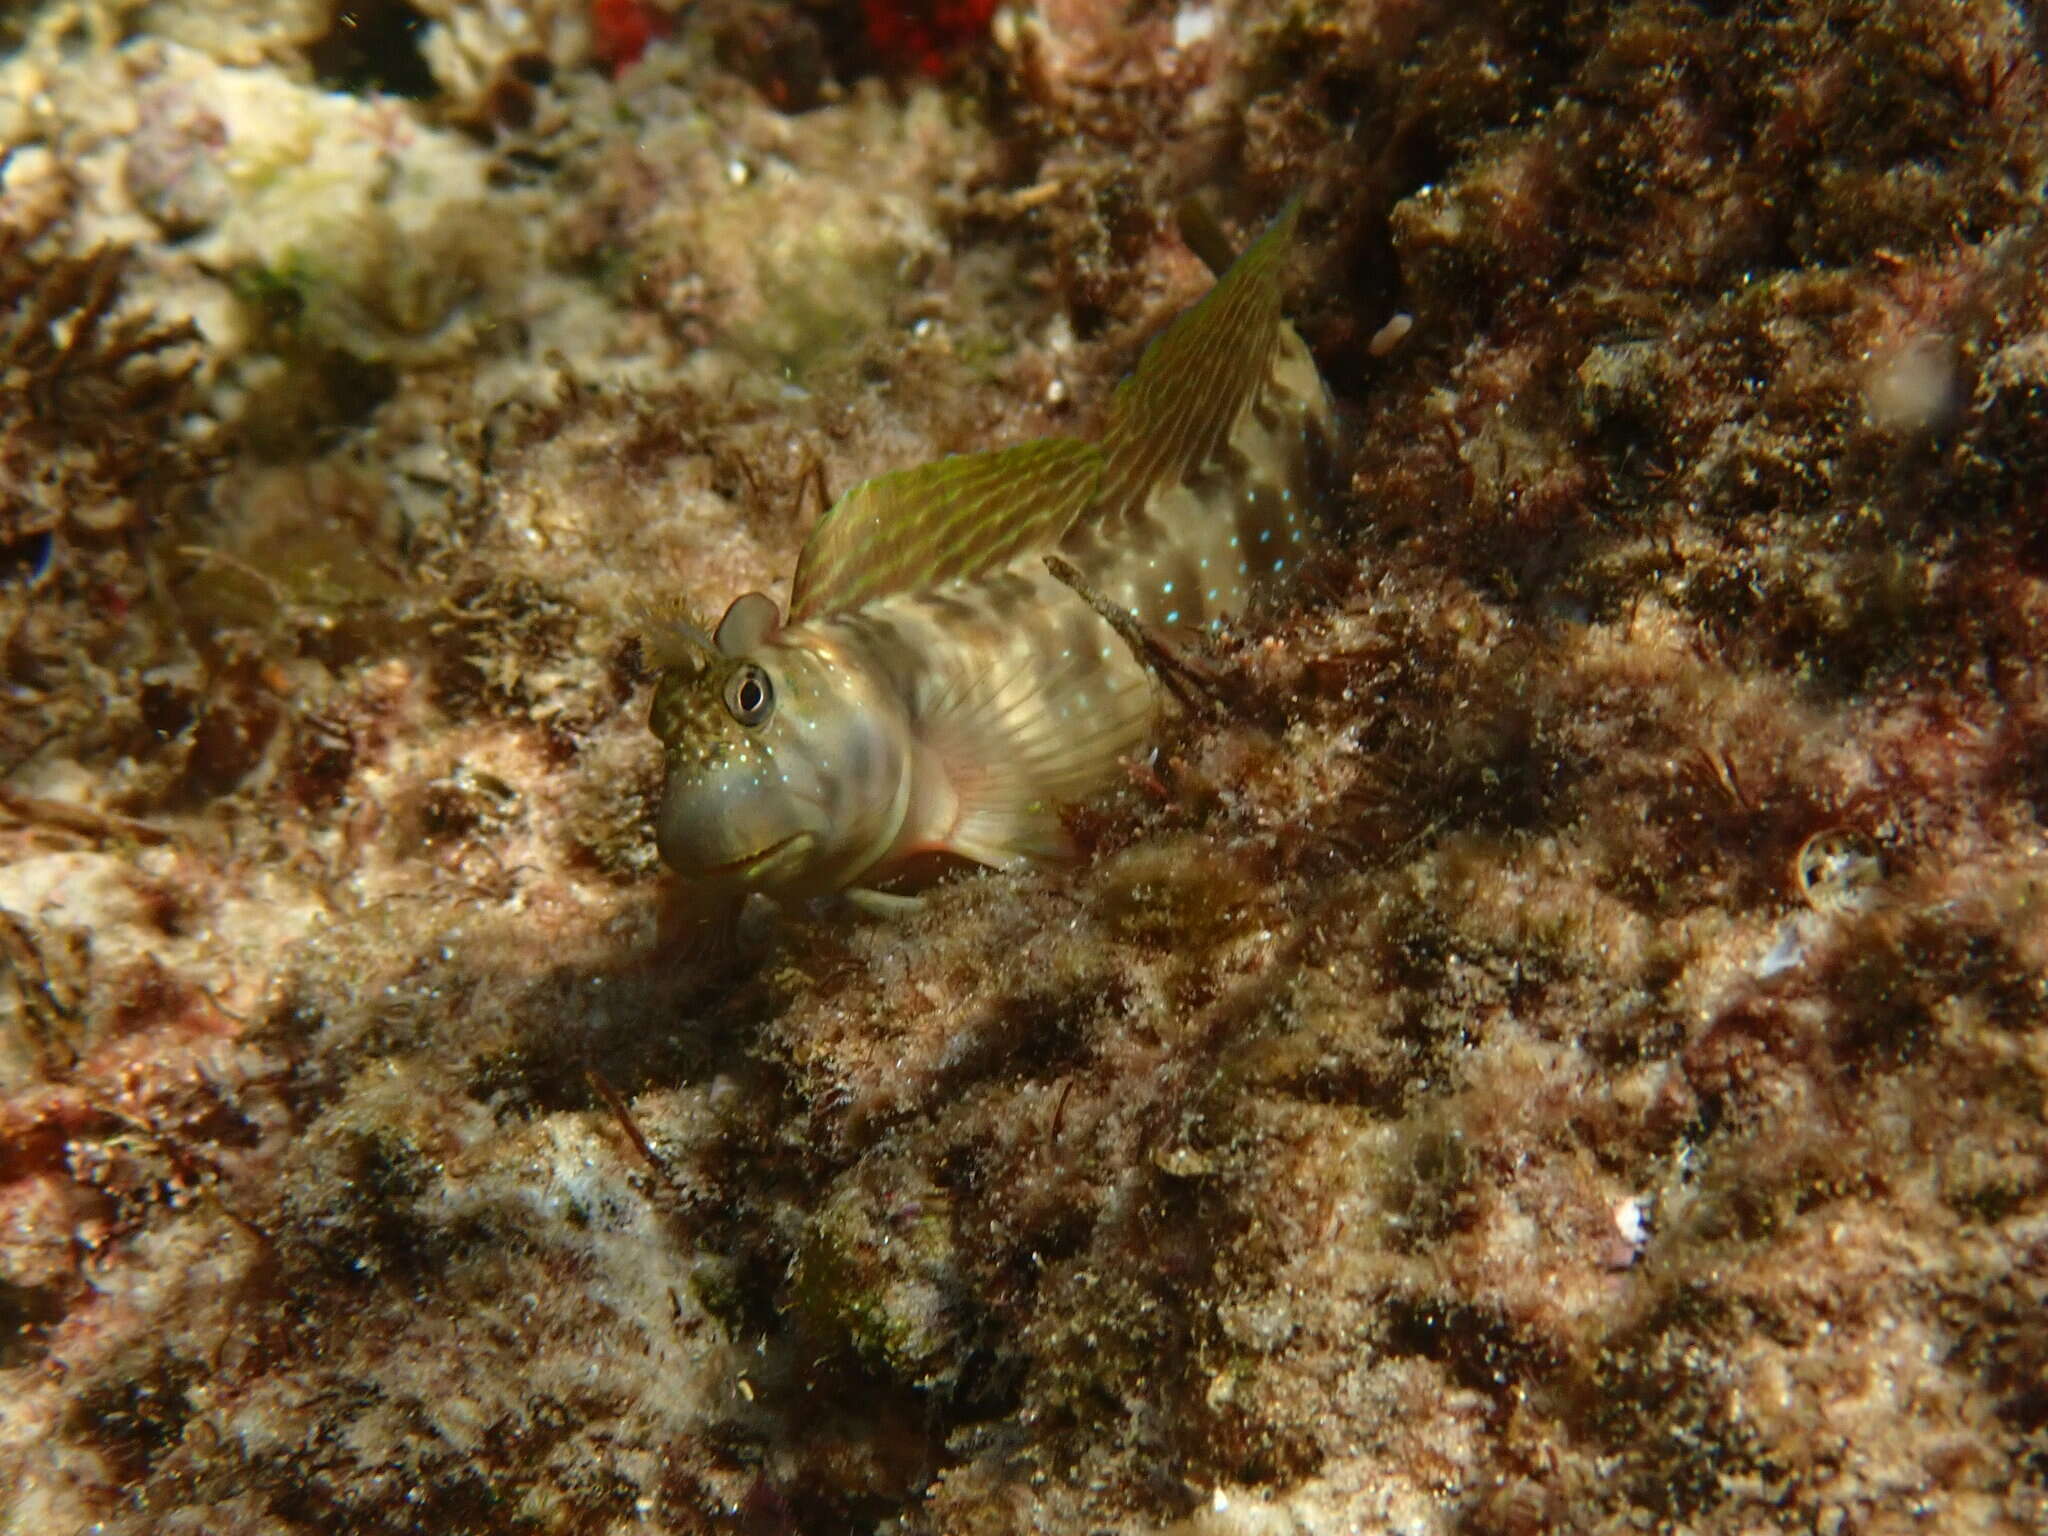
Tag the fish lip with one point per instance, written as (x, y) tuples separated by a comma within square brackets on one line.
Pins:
[(747, 863)]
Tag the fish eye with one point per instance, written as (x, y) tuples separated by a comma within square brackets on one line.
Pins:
[(749, 695)]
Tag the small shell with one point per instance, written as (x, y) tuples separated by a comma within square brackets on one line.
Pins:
[(1390, 335), (1838, 870)]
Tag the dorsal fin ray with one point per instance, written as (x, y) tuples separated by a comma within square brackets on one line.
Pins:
[(1170, 417), (917, 529)]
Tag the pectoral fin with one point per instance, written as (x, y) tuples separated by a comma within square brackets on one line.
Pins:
[(1017, 739)]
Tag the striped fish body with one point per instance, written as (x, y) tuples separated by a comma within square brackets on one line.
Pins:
[(936, 690)]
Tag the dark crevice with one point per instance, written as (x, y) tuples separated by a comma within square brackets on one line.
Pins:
[(373, 47)]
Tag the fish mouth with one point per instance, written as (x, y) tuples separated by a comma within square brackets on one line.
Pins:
[(747, 864)]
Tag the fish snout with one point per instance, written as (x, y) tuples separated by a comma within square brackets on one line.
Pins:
[(712, 832)]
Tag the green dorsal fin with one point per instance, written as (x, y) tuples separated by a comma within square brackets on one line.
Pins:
[(1170, 417), (951, 521)]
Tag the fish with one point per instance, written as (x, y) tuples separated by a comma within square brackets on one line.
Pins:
[(936, 692)]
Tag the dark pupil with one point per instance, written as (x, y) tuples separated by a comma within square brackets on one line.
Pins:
[(750, 696)]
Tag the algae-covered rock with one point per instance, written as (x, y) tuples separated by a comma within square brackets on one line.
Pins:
[(1557, 1043), (877, 1270)]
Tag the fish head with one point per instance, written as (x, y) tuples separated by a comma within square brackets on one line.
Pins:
[(786, 765)]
